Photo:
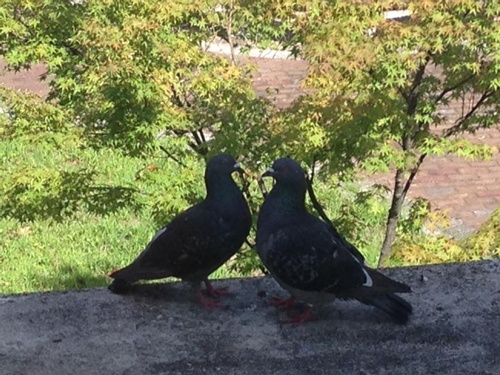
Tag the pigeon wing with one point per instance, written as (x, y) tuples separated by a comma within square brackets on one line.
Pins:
[(310, 258), (190, 244)]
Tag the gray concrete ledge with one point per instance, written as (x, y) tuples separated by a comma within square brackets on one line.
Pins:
[(159, 330)]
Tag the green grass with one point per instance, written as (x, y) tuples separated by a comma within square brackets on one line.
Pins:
[(58, 234), (72, 254), (71, 214)]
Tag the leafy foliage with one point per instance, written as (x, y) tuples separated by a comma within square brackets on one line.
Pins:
[(485, 243), (415, 247), (133, 75), (428, 250), (378, 86), (25, 116)]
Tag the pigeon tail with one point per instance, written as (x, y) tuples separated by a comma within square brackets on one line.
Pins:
[(391, 304), (121, 280), (125, 273), (119, 286), (383, 284), (126, 276)]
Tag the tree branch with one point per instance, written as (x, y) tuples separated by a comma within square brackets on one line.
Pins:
[(455, 128), (392, 218), (313, 163), (172, 157), (412, 102), (251, 245), (229, 31), (448, 132), (262, 188), (452, 88), (420, 73), (317, 206), (412, 97), (407, 142), (413, 174), (245, 186), (312, 195), (178, 101), (196, 137), (202, 135), (403, 94)]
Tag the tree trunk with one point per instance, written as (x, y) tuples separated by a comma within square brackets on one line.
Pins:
[(400, 187), (398, 197)]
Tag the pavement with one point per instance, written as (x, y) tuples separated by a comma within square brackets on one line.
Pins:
[(159, 329)]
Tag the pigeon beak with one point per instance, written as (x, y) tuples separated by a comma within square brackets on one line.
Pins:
[(237, 168), (268, 173)]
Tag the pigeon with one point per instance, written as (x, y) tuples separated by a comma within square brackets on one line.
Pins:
[(311, 259), (197, 241)]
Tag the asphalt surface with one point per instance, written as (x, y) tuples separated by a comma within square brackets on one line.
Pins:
[(159, 329)]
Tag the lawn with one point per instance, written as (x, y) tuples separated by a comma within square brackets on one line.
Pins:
[(69, 214), (59, 231), (71, 254)]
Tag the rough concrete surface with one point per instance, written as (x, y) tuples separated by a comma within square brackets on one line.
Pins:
[(158, 329)]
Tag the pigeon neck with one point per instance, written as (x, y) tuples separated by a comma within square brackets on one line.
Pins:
[(288, 198), (220, 186)]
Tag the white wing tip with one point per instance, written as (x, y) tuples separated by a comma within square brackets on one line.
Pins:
[(369, 281)]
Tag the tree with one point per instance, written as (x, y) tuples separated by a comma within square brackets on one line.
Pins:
[(378, 84), (136, 74), (134, 77)]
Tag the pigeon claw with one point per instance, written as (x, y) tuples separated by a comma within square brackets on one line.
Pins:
[(208, 303), (306, 316), (284, 303), (215, 292)]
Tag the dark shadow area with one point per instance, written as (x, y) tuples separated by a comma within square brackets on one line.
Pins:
[(171, 290), (69, 277), (62, 195)]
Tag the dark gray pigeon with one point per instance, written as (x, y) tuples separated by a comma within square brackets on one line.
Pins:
[(313, 261), (199, 240)]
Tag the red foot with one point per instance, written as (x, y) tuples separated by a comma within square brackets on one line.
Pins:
[(207, 302), (285, 303), (215, 292), (304, 317)]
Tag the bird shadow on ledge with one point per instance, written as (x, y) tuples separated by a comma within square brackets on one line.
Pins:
[(167, 291), (256, 294)]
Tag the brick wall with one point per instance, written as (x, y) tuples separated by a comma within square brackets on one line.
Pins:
[(24, 80), (279, 79), (469, 191)]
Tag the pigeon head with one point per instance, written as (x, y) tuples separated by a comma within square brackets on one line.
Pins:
[(218, 176), (287, 172), (222, 164), (288, 194)]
